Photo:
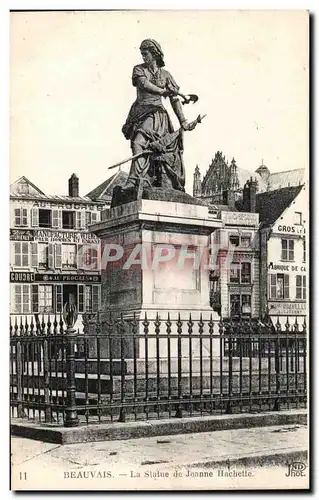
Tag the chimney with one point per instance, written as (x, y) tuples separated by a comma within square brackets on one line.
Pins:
[(229, 197), (249, 195), (74, 186)]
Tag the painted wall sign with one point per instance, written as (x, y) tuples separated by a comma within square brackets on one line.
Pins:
[(287, 267), (289, 308), (21, 277), (242, 218), (83, 278), (21, 235), (65, 236), (65, 205), (281, 228)]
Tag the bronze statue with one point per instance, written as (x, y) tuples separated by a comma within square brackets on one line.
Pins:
[(157, 150)]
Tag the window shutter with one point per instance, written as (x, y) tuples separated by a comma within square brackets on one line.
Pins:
[(18, 298), (57, 219), (58, 255), (95, 298), (35, 298), (58, 299), (273, 286), (25, 254), (60, 219), (304, 292), (83, 220), (34, 254), (81, 298), (51, 256), (17, 217), (25, 299), (81, 256), (24, 217), (17, 254), (35, 217), (286, 286), (77, 220), (88, 218)]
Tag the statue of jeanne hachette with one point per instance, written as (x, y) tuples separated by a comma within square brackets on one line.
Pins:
[(148, 123)]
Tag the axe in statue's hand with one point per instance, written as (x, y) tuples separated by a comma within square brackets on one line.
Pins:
[(186, 99)]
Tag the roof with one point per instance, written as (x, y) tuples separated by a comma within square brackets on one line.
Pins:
[(55, 197), (286, 178), (104, 191), (14, 187), (271, 204), (34, 193)]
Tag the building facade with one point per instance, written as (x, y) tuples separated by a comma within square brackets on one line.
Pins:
[(235, 260), (283, 240), (54, 257)]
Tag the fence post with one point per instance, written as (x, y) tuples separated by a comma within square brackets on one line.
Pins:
[(70, 317), (277, 364), (19, 372)]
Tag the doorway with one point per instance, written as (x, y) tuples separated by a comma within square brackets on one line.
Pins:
[(70, 293)]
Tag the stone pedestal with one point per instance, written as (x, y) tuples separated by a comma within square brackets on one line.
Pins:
[(154, 260)]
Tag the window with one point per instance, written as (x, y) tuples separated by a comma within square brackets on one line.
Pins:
[(45, 218), (22, 298), (246, 304), (240, 304), (45, 299), (245, 241), (245, 272), (89, 298), (43, 255), (68, 221), (234, 240), (69, 256), (298, 218), (235, 305), (287, 249), (301, 287), (304, 250), (42, 298), (20, 217), (234, 276), (279, 286), (21, 254), (240, 273)]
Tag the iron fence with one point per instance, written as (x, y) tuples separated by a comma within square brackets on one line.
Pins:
[(136, 369)]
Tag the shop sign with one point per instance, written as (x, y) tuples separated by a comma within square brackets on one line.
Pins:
[(21, 235), (16, 277), (281, 228), (65, 236), (67, 278), (287, 308), (64, 205), (287, 267), (240, 218)]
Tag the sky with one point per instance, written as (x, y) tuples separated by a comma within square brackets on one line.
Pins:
[(71, 90)]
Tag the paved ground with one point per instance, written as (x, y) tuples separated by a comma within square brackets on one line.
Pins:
[(245, 458)]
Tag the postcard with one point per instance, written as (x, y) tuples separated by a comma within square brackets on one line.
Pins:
[(159, 251)]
